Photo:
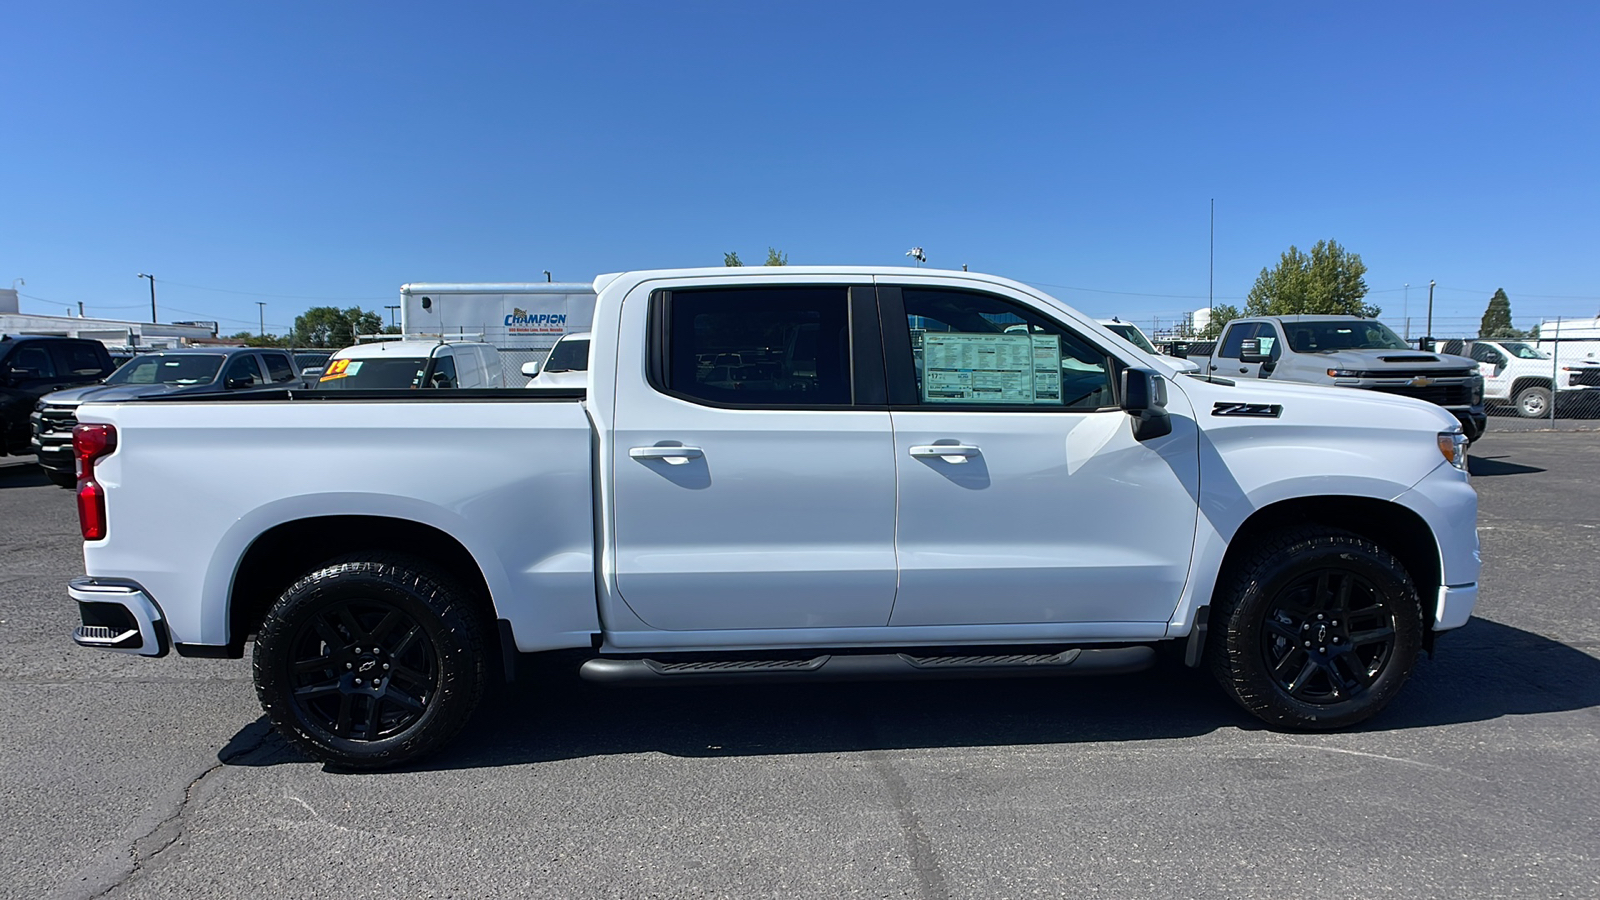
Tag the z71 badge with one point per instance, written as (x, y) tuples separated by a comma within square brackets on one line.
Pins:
[(1251, 410)]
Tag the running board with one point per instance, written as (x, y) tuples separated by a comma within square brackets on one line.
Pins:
[(869, 667)]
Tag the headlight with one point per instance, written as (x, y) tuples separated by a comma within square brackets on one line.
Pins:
[(1343, 373), (1453, 446)]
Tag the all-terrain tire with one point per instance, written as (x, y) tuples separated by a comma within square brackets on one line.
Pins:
[(1315, 628), (371, 661)]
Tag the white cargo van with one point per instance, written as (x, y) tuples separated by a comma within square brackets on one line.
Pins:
[(413, 364)]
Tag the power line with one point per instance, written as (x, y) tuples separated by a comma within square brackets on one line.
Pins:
[(272, 295)]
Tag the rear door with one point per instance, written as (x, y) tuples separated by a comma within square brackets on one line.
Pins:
[(752, 465), (1023, 495)]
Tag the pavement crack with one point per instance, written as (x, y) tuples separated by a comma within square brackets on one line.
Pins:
[(158, 829)]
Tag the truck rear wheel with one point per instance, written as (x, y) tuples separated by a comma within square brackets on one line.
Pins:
[(1533, 402), (370, 662), (1316, 629)]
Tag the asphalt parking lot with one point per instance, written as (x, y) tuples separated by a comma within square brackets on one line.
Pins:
[(127, 777)]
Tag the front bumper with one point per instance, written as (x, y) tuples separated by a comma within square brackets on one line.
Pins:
[(118, 615), (1454, 606)]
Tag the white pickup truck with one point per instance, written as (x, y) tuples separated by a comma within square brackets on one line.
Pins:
[(796, 473)]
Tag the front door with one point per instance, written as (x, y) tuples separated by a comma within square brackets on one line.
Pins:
[(752, 490), (1023, 496)]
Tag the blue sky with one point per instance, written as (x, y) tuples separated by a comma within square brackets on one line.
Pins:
[(315, 153)]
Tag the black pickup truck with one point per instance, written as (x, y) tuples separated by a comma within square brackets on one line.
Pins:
[(34, 365)]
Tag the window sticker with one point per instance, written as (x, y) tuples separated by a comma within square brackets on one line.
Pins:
[(963, 367), (1266, 344)]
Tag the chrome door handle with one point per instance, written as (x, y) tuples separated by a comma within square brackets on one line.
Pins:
[(675, 456), (950, 453)]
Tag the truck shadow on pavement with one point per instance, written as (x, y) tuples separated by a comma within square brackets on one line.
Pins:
[(1484, 671), (19, 476), (1495, 465)]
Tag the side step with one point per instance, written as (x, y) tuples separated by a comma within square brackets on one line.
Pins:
[(869, 667)]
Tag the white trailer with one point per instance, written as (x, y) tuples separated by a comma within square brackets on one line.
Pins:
[(522, 320)]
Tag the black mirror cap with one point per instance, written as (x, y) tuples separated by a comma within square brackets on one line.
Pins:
[(1144, 398), (233, 384), (1250, 351)]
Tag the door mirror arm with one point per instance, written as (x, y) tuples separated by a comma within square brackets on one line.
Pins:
[(1144, 398)]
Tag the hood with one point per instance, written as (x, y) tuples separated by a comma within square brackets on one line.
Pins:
[(1325, 403), (1378, 360), (105, 393)]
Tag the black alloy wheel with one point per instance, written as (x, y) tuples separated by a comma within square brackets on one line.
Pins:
[(363, 670), (1328, 636), (371, 661)]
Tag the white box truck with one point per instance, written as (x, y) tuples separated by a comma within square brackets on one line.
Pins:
[(522, 320)]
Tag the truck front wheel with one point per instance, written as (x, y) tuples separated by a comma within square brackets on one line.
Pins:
[(1533, 402), (370, 662), (1316, 629)]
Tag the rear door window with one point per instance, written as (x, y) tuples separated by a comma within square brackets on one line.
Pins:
[(80, 360), (757, 347), (278, 368), (31, 362), (243, 366)]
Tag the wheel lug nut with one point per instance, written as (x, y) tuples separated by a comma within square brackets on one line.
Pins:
[(358, 649), (358, 681), (1308, 643), (386, 666), (1319, 618), (1336, 640), (349, 665)]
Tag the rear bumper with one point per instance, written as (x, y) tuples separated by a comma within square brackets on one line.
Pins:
[(118, 616)]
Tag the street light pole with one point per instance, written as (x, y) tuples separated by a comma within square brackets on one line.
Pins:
[(1430, 313), (261, 309), (152, 296)]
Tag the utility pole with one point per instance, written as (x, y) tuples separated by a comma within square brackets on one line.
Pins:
[(152, 296), (391, 310), (546, 281), (261, 310), (1429, 338), (1211, 281), (80, 309)]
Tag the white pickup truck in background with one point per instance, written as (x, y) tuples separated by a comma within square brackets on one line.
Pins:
[(787, 473), (1519, 375)]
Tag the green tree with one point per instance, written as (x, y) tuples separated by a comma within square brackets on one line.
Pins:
[(329, 326), (251, 339), (1327, 282), (732, 259), (1221, 314), (1497, 318), (774, 258)]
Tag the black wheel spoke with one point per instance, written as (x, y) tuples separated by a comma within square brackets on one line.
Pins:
[(1306, 671), (410, 676), (405, 642), (321, 689), (1285, 631), (348, 620), (370, 727), (1342, 601), (1286, 665), (1322, 592), (329, 634), (1371, 636), (386, 625), (341, 726), (307, 666), (404, 699), (1358, 672)]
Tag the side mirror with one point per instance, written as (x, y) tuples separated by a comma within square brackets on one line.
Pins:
[(530, 369), (1180, 349), (1250, 351), (1144, 397), (236, 382)]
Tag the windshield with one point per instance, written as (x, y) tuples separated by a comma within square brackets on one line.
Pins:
[(1325, 337), (1132, 335), (312, 360), (373, 374), (1523, 351), (569, 356), (174, 370)]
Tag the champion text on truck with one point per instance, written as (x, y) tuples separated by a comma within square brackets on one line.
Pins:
[(795, 473)]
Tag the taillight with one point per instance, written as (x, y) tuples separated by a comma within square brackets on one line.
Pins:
[(90, 443)]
